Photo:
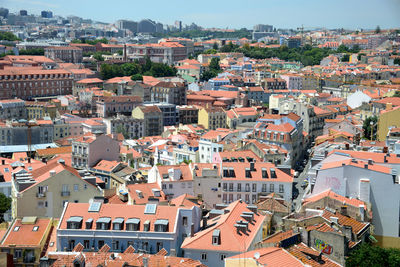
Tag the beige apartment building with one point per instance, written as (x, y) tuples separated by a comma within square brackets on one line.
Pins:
[(44, 191)]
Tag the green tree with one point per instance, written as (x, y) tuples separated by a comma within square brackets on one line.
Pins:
[(396, 94), (214, 64), (98, 56), (121, 129), (396, 61), (5, 205), (367, 255), (215, 46), (8, 36), (367, 127), (32, 52), (345, 58), (137, 77), (378, 29)]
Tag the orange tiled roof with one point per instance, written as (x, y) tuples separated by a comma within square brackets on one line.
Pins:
[(25, 236), (231, 239), (330, 194)]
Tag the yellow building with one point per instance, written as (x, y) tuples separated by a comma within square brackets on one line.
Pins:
[(25, 240), (212, 118), (47, 190), (388, 118), (38, 110)]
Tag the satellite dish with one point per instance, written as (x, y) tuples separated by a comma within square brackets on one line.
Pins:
[(257, 255)]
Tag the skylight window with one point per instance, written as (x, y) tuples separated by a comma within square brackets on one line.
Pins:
[(150, 208), (35, 228), (94, 207), (16, 228)]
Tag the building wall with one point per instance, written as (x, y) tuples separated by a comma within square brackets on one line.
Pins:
[(386, 120), (28, 203), (345, 181)]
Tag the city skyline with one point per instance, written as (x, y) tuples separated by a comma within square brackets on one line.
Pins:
[(234, 14)]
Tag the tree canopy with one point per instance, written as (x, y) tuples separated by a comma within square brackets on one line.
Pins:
[(213, 70), (136, 70), (367, 127), (373, 256), (5, 205), (8, 36)]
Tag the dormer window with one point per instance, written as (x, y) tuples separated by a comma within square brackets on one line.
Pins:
[(103, 223), (248, 173), (118, 223), (74, 222), (133, 224), (161, 225), (264, 173), (216, 237)]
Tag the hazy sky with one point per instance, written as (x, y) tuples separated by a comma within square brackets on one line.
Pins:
[(231, 14)]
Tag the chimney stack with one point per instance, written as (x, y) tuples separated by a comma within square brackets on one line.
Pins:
[(204, 222)]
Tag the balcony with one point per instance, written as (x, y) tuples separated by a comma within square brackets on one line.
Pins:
[(29, 259), (41, 195), (65, 193)]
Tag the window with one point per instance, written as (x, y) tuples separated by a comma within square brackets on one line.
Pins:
[(86, 244), (271, 188), (100, 244), (76, 187), (281, 189), (170, 186), (254, 187), (159, 246), (184, 221), (264, 188), (204, 256), (222, 257), (18, 253), (239, 187), (115, 245)]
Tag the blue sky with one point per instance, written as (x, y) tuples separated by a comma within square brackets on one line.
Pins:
[(232, 14)]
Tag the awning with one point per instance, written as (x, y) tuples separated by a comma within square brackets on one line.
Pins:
[(75, 219), (104, 220), (118, 220), (133, 220), (162, 222)]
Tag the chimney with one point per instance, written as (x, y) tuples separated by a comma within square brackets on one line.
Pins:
[(389, 106), (334, 219), (145, 262), (370, 162), (61, 161), (192, 230), (319, 258), (204, 222), (385, 159), (347, 146), (343, 210), (29, 160), (3, 162), (365, 166), (52, 172)]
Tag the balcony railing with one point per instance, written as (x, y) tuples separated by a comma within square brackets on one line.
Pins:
[(40, 195), (65, 193)]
